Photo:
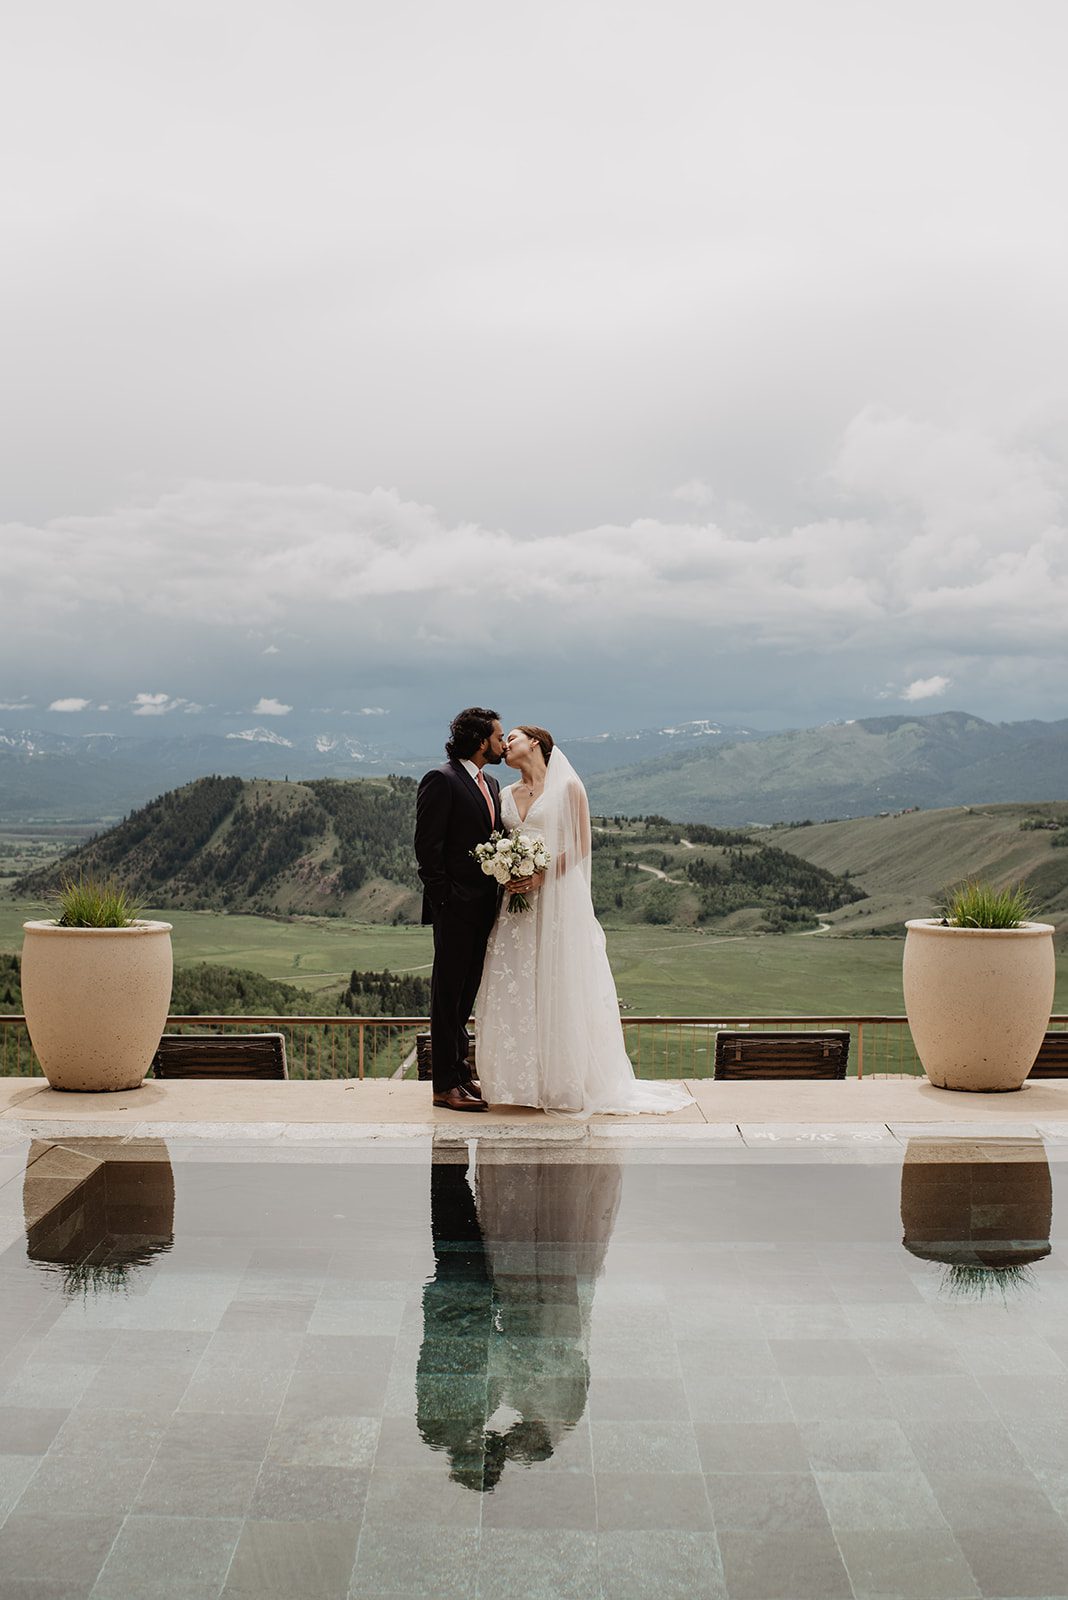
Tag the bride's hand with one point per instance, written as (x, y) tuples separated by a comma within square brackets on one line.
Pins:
[(525, 885)]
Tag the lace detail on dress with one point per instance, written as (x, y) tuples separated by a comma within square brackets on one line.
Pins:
[(506, 1007)]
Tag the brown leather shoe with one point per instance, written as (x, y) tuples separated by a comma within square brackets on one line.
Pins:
[(473, 1087), (458, 1099)]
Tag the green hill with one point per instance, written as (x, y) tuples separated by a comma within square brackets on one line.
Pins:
[(906, 859), (326, 847), (335, 848)]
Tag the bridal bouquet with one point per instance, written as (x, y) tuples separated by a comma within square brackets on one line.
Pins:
[(505, 856)]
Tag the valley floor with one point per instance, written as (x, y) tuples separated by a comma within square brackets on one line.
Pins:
[(659, 971)]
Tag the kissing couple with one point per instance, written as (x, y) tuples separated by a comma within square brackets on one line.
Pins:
[(538, 980)]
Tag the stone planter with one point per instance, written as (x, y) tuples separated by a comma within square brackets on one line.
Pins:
[(96, 1001), (978, 1001)]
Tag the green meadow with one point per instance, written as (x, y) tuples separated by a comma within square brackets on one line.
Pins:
[(318, 953), (659, 971)]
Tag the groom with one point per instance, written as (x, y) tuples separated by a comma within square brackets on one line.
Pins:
[(457, 807)]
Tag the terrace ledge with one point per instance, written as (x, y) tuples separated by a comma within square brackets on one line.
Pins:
[(867, 1111)]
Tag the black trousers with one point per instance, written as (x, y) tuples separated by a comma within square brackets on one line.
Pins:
[(459, 952), (451, 1414)]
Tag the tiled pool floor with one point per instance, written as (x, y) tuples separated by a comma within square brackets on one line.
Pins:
[(531, 1373)]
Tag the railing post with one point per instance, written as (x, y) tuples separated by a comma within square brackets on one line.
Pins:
[(362, 1032), (860, 1049)]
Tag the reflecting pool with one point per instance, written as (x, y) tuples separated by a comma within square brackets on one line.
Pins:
[(496, 1370)]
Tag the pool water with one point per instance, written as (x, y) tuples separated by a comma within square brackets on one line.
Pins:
[(499, 1371)]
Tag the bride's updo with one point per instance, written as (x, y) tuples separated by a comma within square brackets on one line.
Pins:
[(541, 736)]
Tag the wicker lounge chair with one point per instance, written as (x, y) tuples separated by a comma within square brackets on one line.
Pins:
[(740, 1056), (1052, 1058), (220, 1055)]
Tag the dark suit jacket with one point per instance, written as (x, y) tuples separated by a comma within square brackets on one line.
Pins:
[(450, 819)]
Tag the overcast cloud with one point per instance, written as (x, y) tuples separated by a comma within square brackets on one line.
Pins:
[(612, 363)]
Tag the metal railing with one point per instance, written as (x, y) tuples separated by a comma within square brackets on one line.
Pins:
[(383, 1047)]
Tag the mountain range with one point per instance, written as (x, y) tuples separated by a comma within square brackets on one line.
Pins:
[(700, 771), (850, 769), (46, 776)]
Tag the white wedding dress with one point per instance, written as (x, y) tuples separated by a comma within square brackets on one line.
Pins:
[(548, 1032)]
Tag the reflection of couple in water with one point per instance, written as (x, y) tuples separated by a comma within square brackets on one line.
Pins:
[(504, 1368)]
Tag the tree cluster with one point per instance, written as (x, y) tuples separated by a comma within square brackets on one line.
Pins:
[(386, 994), (10, 991), (790, 889), (373, 824)]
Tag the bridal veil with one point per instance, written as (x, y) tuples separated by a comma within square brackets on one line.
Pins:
[(583, 1060)]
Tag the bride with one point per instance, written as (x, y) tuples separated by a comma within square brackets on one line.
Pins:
[(549, 1033)]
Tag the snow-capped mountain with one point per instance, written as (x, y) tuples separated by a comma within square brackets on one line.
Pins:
[(343, 747), (261, 736)]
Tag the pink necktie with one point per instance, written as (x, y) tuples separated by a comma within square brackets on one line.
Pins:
[(480, 780)]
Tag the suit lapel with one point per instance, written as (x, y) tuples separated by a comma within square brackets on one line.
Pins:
[(473, 790)]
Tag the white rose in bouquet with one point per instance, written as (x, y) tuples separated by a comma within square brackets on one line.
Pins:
[(526, 868)]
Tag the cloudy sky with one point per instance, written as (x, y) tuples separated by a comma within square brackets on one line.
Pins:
[(612, 363)]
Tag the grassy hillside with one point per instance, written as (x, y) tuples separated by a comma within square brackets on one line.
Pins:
[(345, 849), (904, 861), (326, 847), (342, 851)]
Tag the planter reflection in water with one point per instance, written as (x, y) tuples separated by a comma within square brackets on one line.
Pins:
[(100, 1223), (984, 1209)]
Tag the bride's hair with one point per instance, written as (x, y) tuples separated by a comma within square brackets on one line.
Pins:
[(542, 736)]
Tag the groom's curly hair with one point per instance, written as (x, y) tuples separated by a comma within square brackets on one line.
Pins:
[(468, 730)]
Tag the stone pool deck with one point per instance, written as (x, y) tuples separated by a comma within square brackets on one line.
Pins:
[(867, 1112)]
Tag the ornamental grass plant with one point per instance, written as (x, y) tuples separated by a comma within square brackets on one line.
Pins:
[(979, 905), (95, 903)]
